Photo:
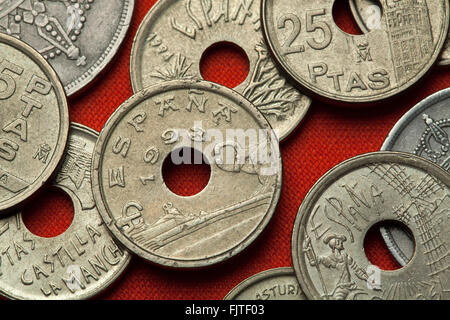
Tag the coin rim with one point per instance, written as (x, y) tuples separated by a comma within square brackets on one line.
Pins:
[(332, 176), (333, 98), (105, 135), (388, 145), (441, 62), (261, 276), (16, 201), (98, 289), (90, 75), (136, 68)]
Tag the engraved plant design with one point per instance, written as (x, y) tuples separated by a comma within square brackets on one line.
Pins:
[(57, 37), (268, 90), (178, 70)]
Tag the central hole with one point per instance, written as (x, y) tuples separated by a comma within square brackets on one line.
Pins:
[(225, 63), (50, 214), (376, 249), (344, 19), (189, 174)]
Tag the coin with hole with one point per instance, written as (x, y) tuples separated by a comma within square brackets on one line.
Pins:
[(175, 35), (76, 264)]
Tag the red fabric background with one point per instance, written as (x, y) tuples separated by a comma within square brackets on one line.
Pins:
[(327, 136)]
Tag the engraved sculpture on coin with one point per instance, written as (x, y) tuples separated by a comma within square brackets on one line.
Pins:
[(354, 69), (77, 264), (213, 225), (77, 37), (174, 35), (34, 122)]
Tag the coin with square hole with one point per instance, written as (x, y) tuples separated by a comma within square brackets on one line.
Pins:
[(355, 70), (175, 35), (76, 264), (368, 14), (188, 230), (34, 122), (343, 206)]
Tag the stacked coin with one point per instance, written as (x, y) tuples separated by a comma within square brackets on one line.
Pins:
[(115, 179)]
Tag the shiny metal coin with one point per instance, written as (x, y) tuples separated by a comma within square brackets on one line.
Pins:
[(79, 263), (424, 131), (341, 67), (274, 284), (174, 35), (368, 15), (78, 38), (331, 224), (221, 220), (34, 122)]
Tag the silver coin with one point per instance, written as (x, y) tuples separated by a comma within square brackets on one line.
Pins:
[(333, 220), (78, 37), (342, 68), (368, 15), (174, 35), (77, 264), (221, 220), (34, 122), (274, 284), (423, 131)]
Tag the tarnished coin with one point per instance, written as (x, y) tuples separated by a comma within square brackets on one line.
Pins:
[(341, 67), (368, 15), (424, 131), (78, 37), (80, 262), (174, 35), (332, 222), (274, 284), (213, 225), (34, 122)]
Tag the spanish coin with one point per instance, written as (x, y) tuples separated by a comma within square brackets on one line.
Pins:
[(169, 121), (331, 224), (344, 68), (425, 132), (368, 15), (34, 122), (77, 264), (78, 37), (174, 36), (274, 284)]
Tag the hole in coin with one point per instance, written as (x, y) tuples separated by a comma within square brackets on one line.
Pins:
[(344, 19), (186, 172), (225, 63), (50, 214), (376, 249)]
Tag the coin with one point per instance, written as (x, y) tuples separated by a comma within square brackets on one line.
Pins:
[(77, 264), (221, 220), (34, 122), (78, 37), (368, 15), (174, 35), (274, 284), (344, 68), (423, 131), (331, 224)]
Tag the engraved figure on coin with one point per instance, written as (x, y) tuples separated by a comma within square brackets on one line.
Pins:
[(345, 288), (434, 144), (57, 36), (410, 37)]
